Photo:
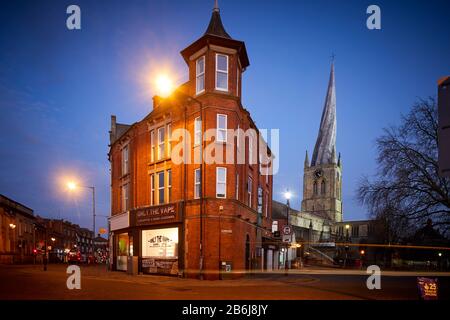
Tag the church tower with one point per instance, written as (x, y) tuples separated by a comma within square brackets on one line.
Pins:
[(322, 177)]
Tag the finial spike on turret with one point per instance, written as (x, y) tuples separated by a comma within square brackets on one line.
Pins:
[(216, 5)]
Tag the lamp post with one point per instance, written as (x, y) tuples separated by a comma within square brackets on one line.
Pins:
[(287, 195), (73, 186), (12, 226), (347, 227)]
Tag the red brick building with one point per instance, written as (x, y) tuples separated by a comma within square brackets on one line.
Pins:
[(192, 218)]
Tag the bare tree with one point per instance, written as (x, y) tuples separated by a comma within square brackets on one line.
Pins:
[(407, 184)]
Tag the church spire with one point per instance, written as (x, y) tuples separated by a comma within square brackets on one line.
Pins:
[(325, 148), (215, 26), (306, 164)]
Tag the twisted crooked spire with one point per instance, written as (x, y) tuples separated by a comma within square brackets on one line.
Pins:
[(325, 148)]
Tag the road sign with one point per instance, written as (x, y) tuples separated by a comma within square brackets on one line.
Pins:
[(287, 238), (287, 230)]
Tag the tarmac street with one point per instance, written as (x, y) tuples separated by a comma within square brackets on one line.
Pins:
[(31, 282)]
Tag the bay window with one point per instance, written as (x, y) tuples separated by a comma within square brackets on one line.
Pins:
[(221, 72), (221, 182), (200, 75)]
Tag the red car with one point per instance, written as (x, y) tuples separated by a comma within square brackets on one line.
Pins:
[(74, 256)]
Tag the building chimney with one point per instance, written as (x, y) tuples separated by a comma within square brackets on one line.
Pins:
[(113, 131), (156, 101)]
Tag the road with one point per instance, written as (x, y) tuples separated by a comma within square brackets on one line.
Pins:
[(31, 282)]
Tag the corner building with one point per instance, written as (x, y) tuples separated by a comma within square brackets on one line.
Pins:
[(192, 219)]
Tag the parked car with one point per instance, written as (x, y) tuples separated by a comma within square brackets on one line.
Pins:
[(74, 256)]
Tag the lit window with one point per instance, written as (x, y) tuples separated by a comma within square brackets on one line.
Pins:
[(169, 185), (152, 189), (249, 191), (197, 183), (125, 197), (152, 145), (200, 75), (125, 160), (161, 187), (160, 143), (197, 131), (221, 182), (221, 72), (221, 128)]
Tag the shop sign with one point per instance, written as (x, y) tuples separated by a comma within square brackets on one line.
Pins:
[(160, 265), (157, 214), (428, 288)]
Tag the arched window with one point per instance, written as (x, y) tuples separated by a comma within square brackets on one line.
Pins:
[(322, 187), (315, 188)]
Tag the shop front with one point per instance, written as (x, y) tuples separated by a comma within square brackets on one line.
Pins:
[(150, 237)]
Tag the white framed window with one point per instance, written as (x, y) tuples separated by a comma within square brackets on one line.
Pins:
[(125, 162), (221, 182), (152, 145), (160, 187), (197, 183), (249, 192), (200, 75), (161, 141), (197, 131), (169, 139), (169, 185), (274, 226), (221, 72), (152, 190), (237, 186), (221, 135), (125, 197)]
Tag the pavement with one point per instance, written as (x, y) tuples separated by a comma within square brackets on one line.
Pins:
[(31, 282)]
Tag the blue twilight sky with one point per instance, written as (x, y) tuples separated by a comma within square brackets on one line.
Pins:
[(58, 88)]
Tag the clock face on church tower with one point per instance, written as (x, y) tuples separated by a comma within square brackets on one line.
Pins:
[(318, 173)]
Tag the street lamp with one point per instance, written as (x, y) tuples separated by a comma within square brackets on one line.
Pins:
[(347, 227), (72, 186), (12, 226)]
